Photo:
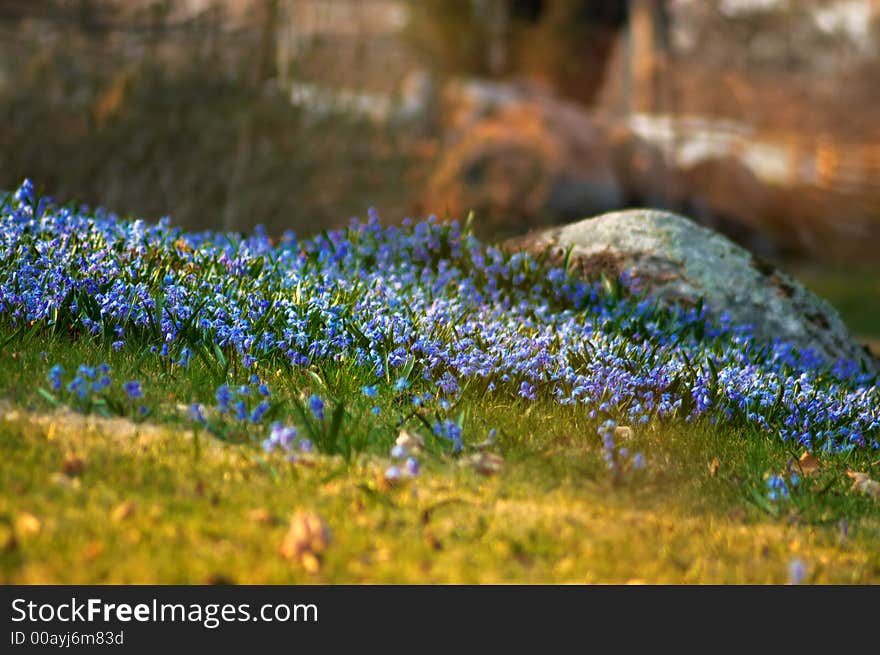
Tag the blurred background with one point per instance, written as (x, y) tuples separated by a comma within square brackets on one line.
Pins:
[(759, 118)]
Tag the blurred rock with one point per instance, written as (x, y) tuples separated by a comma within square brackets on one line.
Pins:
[(725, 195), (519, 158), (679, 261), (522, 158)]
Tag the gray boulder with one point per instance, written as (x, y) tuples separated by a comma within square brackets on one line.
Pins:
[(679, 261)]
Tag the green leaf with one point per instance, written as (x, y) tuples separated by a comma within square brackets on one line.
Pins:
[(48, 396)]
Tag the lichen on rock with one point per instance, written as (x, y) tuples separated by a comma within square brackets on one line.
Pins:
[(678, 261)]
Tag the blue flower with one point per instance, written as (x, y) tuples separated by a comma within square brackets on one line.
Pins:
[(54, 377), (259, 411), (528, 391), (280, 436), (195, 413), (132, 389), (777, 488), (223, 397), (451, 431), (316, 406)]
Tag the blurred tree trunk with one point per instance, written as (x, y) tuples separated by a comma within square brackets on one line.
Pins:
[(268, 55), (644, 30), (284, 45), (498, 20), (647, 91)]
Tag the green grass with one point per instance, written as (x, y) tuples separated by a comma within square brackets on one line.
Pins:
[(94, 500)]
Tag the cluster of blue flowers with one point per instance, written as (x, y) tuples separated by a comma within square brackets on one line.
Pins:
[(425, 304), (284, 437), (89, 388), (780, 488), (247, 402)]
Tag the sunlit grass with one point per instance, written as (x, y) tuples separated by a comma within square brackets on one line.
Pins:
[(143, 505), (118, 501)]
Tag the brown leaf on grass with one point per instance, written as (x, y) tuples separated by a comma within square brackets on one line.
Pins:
[(714, 465), (623, 433), (72, 466), (26, 524), (485, 463), (124, 510), (306, 538), (809, 464), (92, 550), (262, 515), (431, 541), (863, 483)]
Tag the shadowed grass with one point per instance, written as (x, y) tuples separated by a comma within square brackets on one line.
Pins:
[(853, 290)]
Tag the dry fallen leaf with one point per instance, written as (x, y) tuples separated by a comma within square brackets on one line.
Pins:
[(261, 515), (123, 511), (305, 459), (809, 464), (485, 463), (863, 483), (306, 538), (92, 550), (432, 541), (72, 466), (26, 524), (714, 465)]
